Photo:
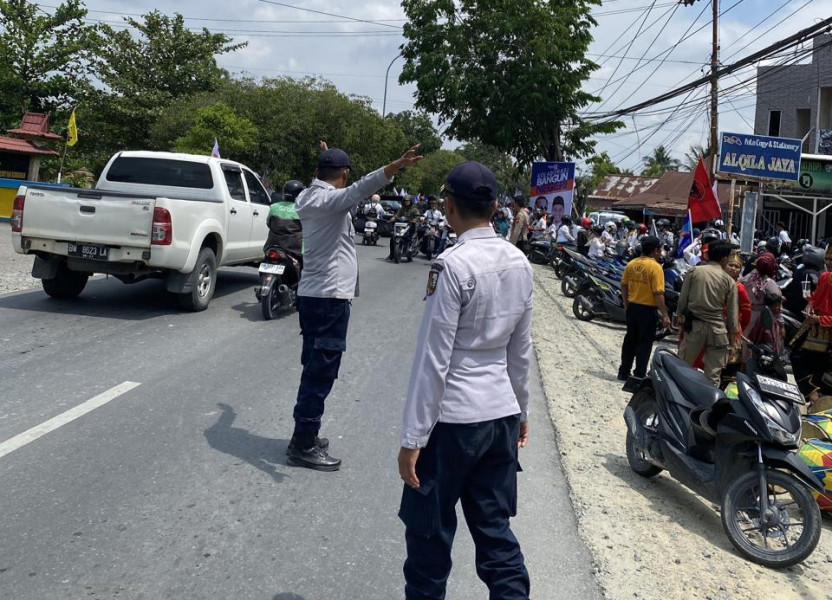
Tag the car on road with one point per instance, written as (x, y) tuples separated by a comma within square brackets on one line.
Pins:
[(175, 217)]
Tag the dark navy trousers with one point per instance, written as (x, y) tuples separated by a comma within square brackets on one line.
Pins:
[(323, 325), (477, 465)]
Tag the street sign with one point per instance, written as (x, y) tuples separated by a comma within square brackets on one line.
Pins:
[(747, 156), (749, 221)]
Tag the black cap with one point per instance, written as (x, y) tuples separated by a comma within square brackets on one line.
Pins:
[(334, 158), (472, 181)]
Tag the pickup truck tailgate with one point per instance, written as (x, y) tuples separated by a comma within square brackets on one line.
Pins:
[(82, 215)]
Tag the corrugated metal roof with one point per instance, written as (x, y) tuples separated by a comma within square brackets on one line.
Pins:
[(35, 125), (669, 195), (8, 144)]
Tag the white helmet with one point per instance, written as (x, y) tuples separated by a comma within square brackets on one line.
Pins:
[(719, 223), (611, 226)]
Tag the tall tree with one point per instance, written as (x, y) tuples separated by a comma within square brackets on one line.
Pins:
[(660, 162), (418, 129), (693, 154), (507, 73), (510, 175), (144, 71), (43, 57), (428, 175), (221, 122)]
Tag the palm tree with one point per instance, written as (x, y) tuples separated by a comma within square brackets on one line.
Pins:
[(659, 163), (693, 154)]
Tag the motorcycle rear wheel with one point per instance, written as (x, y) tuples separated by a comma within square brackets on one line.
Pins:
[(580, 312), (647, 417), (741, 519), (270, 303)]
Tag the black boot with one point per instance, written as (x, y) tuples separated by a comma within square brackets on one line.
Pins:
[(309, 452)]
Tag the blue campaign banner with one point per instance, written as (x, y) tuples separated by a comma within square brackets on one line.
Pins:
[(759, 156), (552, 186)]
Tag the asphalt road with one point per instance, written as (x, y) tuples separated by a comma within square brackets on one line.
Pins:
[(179, 488)]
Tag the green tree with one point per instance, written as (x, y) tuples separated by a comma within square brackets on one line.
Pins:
[(510, 176), (234, 133), (509, 76), (660, 162), (146, 70), (693, 154), (428, 175), (43, 57), (418, 129)]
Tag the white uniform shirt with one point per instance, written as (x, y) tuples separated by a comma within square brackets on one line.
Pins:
[(606, 237), (632, 239), (379, 210), (433, 217), (596, 247), (565, 235), (784, 238), (474, 349), (330, 267)]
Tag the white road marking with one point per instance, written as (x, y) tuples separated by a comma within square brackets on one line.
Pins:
[(52, 424)]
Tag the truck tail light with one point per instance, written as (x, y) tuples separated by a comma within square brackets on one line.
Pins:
[(162, 232), (17, 214)]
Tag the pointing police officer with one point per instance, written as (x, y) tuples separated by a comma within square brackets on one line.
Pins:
[(467, 402), (328, 284)]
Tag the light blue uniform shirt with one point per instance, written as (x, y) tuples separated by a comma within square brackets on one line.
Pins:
[(474, 350), (330, 266)]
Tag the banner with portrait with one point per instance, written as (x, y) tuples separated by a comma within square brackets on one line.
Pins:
[(552, 187)]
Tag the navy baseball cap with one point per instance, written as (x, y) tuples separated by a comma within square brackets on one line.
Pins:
[(335, 158), (471, 181)]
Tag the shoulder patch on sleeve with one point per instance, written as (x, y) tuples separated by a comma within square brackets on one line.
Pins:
[(433, 278)]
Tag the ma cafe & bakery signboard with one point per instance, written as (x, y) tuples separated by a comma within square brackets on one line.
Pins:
[(744, 156)]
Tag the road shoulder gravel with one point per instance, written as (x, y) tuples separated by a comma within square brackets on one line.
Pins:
[(15, 269), (650, 538)]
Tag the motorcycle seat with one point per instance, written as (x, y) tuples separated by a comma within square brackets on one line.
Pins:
[(694, 385)]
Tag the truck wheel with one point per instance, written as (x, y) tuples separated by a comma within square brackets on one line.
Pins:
[(66, 284), (203, 282)]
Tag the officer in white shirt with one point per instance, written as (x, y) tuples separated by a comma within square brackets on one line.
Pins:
[(467, 402), (783, 236), (328, 284)]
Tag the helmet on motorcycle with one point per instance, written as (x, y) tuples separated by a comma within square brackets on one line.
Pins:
[(719, 224), (642, 228), (597, 229), (622, 248), (710, 235), (813, 257), (566, 220), (631, 226), (586, 223), (662, 223), (611, 226), (291, 190), (773, 245)]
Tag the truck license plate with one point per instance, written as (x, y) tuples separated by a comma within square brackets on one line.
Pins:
[(276, 269), (90, 251)]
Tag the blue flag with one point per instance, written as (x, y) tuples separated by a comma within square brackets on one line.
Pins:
[(685, 236)]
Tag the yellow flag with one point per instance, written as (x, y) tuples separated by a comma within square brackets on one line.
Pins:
[(72, 131)]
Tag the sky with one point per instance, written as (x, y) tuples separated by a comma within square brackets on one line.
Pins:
[(673, 40)]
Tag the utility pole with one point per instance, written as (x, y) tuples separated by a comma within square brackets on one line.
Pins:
[(714, 144)]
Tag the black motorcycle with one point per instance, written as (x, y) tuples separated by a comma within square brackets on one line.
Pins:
[(406, 243), (279, 278), (431, 235), (728, 450)]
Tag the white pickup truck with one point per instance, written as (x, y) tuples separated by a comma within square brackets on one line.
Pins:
[(152, 215)]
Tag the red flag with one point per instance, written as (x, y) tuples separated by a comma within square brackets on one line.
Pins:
[(702, 202)]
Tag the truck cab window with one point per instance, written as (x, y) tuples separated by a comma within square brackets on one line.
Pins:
[(256, 193), (234, 181)]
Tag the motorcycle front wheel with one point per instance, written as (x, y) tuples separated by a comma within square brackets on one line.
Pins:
[(791, 530), (397, 251), (270, 302), (569, 287), (581, 312)]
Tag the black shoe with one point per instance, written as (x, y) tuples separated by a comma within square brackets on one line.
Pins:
[(314, 457), (322, 443), (622, 376)]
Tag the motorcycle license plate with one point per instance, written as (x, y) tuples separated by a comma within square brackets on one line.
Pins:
[(276, 269), (781, 389)]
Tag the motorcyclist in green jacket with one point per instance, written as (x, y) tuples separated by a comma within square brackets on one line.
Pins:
[(285, 230), (407, 211)]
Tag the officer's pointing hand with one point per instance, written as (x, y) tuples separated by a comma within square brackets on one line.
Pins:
[(407, 466), (411, 156)]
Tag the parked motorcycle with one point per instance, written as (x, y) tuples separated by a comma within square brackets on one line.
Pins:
[(728, 451), (279, 278), (406, 243)]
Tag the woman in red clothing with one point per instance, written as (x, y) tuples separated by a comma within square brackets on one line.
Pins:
[(813, 342)]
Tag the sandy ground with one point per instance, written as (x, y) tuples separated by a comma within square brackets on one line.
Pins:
[(15, 269), (649, 538)]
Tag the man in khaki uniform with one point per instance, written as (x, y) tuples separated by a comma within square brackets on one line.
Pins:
[(520, 228), (709, 309)]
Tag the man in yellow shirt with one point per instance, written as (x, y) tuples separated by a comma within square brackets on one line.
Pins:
[(642, 289)]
